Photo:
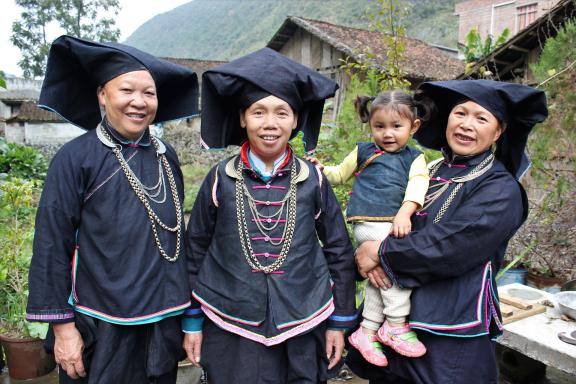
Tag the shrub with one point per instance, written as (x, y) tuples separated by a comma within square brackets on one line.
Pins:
[(21, 161), (557, 54)]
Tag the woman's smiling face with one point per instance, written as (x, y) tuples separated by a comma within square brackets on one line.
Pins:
[(130, 101), (269, 122), (471, 129)]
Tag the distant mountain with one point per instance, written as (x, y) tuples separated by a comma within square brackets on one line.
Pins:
[(226, 29)]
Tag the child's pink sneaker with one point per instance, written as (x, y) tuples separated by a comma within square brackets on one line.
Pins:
[(369, 347), (401, 339)]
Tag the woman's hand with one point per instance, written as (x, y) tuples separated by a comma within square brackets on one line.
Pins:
[(379, 279), (68, 347), (367, 257), (334, 346), (191, 344), (368, 262)]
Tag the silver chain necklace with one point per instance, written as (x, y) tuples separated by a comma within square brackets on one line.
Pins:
[(288, 201), (431, 197), (139, 189)]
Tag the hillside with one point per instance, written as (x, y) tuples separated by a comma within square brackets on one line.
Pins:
[(225, 29)]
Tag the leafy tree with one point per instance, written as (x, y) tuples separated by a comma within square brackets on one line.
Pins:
[(80, 18), (29, 35), (2, 80), (476, 50), (383, 72), (558, 53)]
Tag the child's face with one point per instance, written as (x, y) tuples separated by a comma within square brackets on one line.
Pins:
[(269, 123), (390, 130)]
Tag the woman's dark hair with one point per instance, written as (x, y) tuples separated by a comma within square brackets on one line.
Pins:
[(400, 102)]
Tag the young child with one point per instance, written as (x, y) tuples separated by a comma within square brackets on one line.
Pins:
[(391, 181)]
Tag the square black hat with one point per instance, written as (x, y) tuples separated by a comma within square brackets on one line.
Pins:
[(519, 106), (76, 68), (228, 88)]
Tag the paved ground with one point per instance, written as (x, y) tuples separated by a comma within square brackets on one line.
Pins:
[(552, 377)]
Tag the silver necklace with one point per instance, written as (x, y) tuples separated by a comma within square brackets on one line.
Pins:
[(289, 201), (440, 188), (140, 191)]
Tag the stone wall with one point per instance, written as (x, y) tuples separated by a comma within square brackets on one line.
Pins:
[(185, 138)]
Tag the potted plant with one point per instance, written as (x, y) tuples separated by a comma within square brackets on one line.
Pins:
[(514, 270), (22, 341)]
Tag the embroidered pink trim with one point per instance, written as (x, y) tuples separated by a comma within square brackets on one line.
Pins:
[(266, 254), (266, 238), (268, 186), (299, 329), (270, 220)]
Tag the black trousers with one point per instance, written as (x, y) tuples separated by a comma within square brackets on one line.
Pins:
[(135, 354), (448, 360), (232, 359)]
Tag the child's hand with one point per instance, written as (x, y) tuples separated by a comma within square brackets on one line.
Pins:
[(401, 226), (315, 161)]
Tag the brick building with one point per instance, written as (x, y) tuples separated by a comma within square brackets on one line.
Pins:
[(491, 17)]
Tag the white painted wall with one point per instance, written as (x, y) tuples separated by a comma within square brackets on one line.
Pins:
[(41, 133)]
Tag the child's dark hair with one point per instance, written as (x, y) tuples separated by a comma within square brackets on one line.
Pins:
[(400, 102)]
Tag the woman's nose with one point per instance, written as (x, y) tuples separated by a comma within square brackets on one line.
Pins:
[(270, 121), (467, 122), (138, 100)]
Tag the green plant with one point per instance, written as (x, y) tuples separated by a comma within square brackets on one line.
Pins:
[(17, 211), (21, 161), (551, 185), (557, 54), (476, 50), (383, 72)]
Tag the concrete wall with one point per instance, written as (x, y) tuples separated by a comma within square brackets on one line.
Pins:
[(493, 16), (39, 134), (15, 83)]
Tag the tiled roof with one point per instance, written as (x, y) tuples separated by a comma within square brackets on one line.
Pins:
[(29, 112), (423, 61), (19, 95), (198, 66)]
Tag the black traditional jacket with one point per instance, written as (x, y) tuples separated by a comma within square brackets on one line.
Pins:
[(94, 249), (451, 257), (315, 282)]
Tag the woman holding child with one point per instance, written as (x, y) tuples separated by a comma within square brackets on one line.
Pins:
[(473, 207)]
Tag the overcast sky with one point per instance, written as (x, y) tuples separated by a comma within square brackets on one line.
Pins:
[(133, 13)]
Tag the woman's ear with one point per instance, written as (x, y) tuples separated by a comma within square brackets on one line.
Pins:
[(498, 132), (101, 93), (242, 119), (295, 121)]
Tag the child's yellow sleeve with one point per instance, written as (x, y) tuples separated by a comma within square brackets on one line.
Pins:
[(418, 180), (341, 173)]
